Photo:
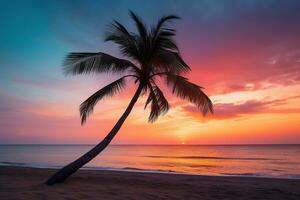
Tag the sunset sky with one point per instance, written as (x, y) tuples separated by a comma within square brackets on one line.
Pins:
[(246, 54)]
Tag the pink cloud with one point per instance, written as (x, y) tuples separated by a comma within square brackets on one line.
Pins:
[(238, 110)]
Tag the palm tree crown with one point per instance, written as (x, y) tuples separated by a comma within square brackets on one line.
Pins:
[(152, 53)]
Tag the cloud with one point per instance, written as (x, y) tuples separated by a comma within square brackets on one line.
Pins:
[(224, 111)]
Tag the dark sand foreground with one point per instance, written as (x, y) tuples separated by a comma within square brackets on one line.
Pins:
[(27, 183)]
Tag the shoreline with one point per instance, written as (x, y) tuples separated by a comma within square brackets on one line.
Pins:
[(138, 170), (27, 183)]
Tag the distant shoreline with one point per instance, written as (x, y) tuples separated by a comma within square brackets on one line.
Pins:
[(27, 183)]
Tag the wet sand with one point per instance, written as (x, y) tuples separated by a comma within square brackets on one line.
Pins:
[(27, 183)]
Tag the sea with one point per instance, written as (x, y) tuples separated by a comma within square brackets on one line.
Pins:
[(279, 161)]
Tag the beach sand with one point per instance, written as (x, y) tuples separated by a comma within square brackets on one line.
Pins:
[(27, 183)]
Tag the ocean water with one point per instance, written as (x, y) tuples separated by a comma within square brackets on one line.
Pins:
[(282, 161)]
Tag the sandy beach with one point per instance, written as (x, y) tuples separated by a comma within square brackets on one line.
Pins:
[(27, 183)]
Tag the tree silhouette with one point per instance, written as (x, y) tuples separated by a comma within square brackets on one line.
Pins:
[(152, 54)]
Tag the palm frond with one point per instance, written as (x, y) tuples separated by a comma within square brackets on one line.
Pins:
[(162, 36), (168, 61), (127, 41), (162, 21), (165, 41), (142, 29), (86, 108), (84, 63), (159, 104), (191, 92)]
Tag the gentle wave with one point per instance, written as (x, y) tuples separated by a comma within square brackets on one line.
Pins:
[(262, 175), (18, 164), (208, 158), (133, 169), (285, 163), (245, 174), (127, 169), (12, 164)]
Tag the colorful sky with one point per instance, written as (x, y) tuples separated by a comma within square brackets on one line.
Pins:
[(245, 53)]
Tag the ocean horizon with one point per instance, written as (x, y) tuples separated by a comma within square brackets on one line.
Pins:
[(256, 160)]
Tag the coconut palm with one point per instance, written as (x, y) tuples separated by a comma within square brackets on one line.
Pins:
[(152, 54)]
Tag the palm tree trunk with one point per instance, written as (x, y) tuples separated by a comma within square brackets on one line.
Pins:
[(71, 168)]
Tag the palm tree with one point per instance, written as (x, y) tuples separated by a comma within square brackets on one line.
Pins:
[(152, 54)]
